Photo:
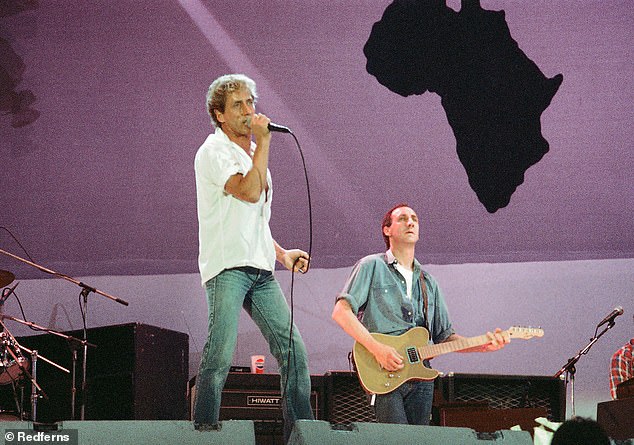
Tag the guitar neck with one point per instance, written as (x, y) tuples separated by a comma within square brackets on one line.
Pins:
[(429, 351)]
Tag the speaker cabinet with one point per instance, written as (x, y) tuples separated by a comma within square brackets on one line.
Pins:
[(486, 403), (544, 394), (257, 397), (136, 371), (483, 419), (320, 433), (617, 418), (347, 402)]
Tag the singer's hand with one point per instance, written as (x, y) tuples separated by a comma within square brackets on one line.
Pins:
[(295, 260), (260, 127)]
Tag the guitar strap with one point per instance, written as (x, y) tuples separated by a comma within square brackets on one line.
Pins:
[(423, 287)]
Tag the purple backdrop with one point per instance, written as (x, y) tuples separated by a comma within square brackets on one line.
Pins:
[(102, 183)]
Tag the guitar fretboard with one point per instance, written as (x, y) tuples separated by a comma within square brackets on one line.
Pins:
[(456, 345)]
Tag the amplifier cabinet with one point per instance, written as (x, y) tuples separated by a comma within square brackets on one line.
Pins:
[(459, 400), (617, 418), (485, 420), (507, 392), (346, 400), (136, 372), (513, 399), (258, 397)]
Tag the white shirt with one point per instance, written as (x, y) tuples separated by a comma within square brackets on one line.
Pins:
[(232, 233), (407, 274)]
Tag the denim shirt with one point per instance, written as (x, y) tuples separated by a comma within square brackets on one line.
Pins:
[(377, 293)]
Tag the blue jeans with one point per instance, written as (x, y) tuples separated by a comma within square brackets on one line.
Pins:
[(259, 293), (410, 403)]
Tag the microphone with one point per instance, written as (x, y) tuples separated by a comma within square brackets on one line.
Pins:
[(611, 316), (279, 128)]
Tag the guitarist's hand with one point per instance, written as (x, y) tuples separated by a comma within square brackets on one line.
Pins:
[(388, 357), (498, 339)]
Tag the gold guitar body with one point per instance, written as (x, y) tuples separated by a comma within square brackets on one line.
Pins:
[(377, 380)]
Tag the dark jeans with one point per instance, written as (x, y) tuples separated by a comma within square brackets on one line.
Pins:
[(410, 403)]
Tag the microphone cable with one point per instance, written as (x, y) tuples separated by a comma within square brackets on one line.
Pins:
[(19, 243), (310, 250)]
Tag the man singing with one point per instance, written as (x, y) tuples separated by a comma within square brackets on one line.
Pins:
[(237, 253)]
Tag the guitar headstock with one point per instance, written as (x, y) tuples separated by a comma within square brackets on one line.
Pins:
[(525, 332)]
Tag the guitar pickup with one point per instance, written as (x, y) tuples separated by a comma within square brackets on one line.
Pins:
[(412, 354)]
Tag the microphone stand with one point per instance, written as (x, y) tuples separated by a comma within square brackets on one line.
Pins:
[(74, 343), (66, 277), (569, 368), (36, 390), (86, 290)]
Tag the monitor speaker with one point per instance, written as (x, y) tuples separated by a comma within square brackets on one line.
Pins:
[(320, 433), (134, 432)]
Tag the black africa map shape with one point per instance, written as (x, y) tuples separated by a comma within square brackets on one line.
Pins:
[(492, 93)]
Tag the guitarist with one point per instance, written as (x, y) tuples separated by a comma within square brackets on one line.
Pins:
[(384, 294)]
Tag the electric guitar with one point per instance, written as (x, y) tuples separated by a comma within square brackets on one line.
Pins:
[(413, 346)]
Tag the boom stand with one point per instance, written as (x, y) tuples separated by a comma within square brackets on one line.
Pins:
[(569, 368), (36, 390), (84, 293), (74, 343)]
